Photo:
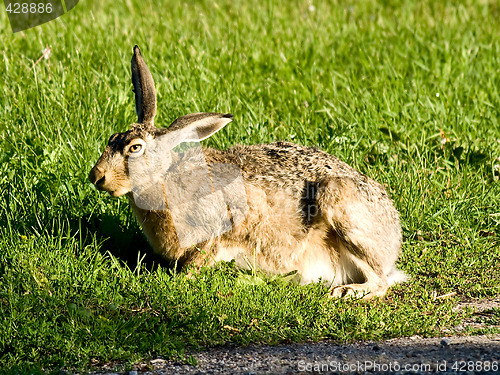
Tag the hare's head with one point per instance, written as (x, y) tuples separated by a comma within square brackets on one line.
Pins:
[(144, 143)]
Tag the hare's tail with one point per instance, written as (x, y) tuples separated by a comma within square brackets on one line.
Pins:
[(397, 276)]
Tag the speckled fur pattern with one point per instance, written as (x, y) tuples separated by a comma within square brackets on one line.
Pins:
[(307, 210)]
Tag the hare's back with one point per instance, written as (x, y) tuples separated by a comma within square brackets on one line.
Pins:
[(284, 164)]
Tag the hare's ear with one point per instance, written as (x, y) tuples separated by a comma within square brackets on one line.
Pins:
[(199, 126), (144, 88)]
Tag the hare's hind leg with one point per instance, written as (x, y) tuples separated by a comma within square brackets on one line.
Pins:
[(367, 224), (361, 280)]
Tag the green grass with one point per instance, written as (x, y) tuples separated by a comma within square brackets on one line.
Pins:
[(408, 92)]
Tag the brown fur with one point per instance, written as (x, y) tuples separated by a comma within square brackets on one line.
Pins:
[(307, 210)]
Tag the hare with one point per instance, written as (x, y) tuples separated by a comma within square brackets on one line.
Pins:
[(279, 207)]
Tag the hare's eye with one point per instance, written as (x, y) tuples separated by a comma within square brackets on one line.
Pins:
[(135, 148)]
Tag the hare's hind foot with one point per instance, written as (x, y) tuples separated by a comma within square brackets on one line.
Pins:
[(367, 283)]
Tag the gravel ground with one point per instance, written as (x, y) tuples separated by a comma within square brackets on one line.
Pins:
[(413, 355)]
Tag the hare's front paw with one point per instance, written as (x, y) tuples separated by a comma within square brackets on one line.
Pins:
[(348, 291), (357, 291)]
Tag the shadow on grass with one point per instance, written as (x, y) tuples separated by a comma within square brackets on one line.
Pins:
[(125, 243)]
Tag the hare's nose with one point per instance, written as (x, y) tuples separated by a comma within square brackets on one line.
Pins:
[(97, 176)]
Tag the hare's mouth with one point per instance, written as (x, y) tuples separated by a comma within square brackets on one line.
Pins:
[(113, 193), (117, 193)]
